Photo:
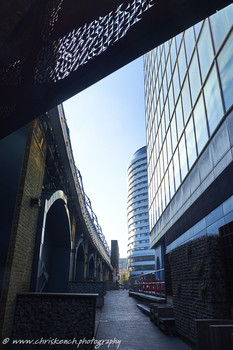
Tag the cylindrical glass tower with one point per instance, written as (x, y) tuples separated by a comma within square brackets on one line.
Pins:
[(140, 257)]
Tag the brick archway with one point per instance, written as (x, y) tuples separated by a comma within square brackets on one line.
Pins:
[(55, 248)]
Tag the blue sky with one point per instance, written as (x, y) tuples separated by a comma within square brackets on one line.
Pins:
[(107, 126)]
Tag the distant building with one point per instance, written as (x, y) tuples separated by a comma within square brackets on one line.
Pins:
[(122, 264), (140, 258), (115, 259)]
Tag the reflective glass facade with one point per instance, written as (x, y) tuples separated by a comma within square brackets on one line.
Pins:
[(140, 257), (188, 93)]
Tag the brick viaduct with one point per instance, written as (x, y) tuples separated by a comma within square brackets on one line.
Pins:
[(49, 233)]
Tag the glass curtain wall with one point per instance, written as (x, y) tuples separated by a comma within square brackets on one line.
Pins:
[(188, 91)]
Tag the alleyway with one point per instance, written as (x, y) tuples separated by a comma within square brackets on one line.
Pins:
[(121, 322)]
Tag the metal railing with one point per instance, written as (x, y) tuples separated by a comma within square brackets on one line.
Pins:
[(149, 283), (84, 199)]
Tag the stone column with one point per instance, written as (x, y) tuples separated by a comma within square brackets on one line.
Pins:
[(95, 264), (85, 258), (101, 270), (72, 257)]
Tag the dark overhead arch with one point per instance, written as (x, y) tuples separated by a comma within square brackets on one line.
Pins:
[(54, 49)]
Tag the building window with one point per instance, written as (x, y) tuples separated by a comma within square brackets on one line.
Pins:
[(200, 124), (189, 43), (195, 82), (213, 100), (182, 63), (171, 99), (186, 100), (197, 28), (183, 158), (176, 169), (221, 22), (169, 145), (179, 118), (176, 83), (173, 131), (173, 53), (171, 180), (190, 140), (205, 50), (225, 63)]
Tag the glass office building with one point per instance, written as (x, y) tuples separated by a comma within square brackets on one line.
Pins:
[(189, 127), (140, 258)]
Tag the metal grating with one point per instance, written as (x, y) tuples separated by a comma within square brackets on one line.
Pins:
[(57, 48), (226, 234)]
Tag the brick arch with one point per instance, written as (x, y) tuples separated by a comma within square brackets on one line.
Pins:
[(55, 246), (79, 261), (91, 266), (98, 271)]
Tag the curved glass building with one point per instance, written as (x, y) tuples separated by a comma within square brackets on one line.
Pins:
[(189, 126), (140, 257)]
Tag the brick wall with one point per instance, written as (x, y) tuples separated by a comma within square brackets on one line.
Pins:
[(90, 287), (21, 248), (198, 284), (44, 317)]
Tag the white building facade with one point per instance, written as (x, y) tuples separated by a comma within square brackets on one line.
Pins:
[(140, 258)]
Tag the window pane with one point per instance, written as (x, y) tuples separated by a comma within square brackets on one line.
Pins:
[(171, 99), (168, 69), (176, 83), (176, 169), (162, 196), (220, 24), (159, 138), (166, 48), (173, 53), (200, 124), (225, 63), (186, 100), (162, 62), (205, 50), (165, 156), (167, 193), (165, 86), (197, 28), (166, 111), (159, 204), (161, 165), (213, 100), (195, 82), (171, 180), (190, 141), (183, 158), (182, 63), (173, 132), (169, 145), (189, 42), (179, 118), (178, 40), (162, 128)]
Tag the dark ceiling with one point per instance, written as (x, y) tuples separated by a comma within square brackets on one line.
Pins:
[(53, 49)]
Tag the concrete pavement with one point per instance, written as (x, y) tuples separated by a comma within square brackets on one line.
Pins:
[(121, 325)]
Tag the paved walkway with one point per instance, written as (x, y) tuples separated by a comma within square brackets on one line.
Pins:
[(121, 322)]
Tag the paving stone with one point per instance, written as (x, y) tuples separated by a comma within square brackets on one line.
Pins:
[(120, 319)]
